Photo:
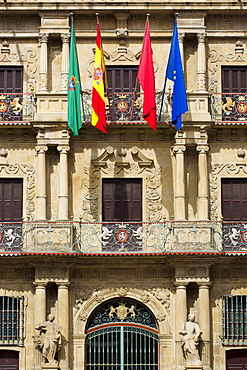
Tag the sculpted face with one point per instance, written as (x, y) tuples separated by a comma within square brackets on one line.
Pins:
[(191, 317)]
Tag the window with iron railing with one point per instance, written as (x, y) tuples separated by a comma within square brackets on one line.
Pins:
[(234, 320), (11, 320)]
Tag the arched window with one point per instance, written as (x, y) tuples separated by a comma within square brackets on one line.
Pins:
[(122, 334)]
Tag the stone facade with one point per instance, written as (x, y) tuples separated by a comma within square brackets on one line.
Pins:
[(182, 267)]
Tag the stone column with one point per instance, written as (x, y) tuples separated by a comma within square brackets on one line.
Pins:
[(39, 316), (63, 197), (204, 322), (203, 184), (41, 182), (201, 62), (63, 320), (181, 36), (65, 61), (181, 318), (179, 201), (43, 73)]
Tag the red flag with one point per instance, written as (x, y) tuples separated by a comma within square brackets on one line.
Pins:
[(146, 78)]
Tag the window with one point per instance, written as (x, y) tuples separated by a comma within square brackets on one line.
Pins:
[(236, 359), (234, 199), (11, 80), (122, 334), (122, 79), (124, 102), (122, 215), (9, 360), (11, 88), (11, 214), (11, 320), (234, 87), (122, 199)]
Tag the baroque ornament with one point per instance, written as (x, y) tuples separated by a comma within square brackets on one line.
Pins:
[(217, 171), (29, 172), (136, 164)]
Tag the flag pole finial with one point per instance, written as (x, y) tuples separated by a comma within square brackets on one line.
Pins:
[(97, 17), (148, 16)]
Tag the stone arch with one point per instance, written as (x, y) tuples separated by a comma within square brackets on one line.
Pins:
[(158, 309)]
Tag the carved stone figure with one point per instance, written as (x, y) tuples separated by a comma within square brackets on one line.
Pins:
[(190, 337), (49, 339)]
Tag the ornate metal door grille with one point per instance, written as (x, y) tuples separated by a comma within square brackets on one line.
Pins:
[(122, 336)]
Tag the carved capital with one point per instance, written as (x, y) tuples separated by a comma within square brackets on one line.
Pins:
[(41, 148), (181, 36), (63, 149), (201, 37), (179, 149), (65, 37), (202, 148), (43, 38)]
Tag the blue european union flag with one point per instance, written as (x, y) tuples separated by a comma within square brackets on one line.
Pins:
[(174, 72)]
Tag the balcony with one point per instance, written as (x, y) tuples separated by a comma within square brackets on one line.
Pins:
[(126, 107), (16, 109), (229, 108), (105, 238)]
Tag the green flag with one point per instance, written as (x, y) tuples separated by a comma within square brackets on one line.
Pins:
[(74, 87)]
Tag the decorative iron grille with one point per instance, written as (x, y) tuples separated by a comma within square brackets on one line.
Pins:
[(234, 236), (12, 320), (16, 107), (122, 334), (122, 310), (234, 320), (127, 107), (229, 107)]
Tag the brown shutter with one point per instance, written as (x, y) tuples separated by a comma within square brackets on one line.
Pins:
[(122, 78), (11, 80), (122, 200), (234, 80), (11, 200), (234, 199)]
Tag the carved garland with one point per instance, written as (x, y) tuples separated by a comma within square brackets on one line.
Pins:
[(141, 165), (29, 171)]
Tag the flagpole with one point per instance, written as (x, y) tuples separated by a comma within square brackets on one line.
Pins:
[(164, 89)]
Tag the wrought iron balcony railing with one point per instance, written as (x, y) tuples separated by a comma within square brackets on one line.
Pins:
[(229, 108), (80, 237), (234, 236), (16, 108), (126, 107)]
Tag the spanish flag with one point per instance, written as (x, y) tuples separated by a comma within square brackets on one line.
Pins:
[(99, 80)]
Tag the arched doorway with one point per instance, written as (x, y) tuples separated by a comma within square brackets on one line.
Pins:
[(236, 359), (122, 334), (9, 360)]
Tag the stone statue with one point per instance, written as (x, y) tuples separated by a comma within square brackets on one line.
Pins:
[(190, 337), (49, 339)]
